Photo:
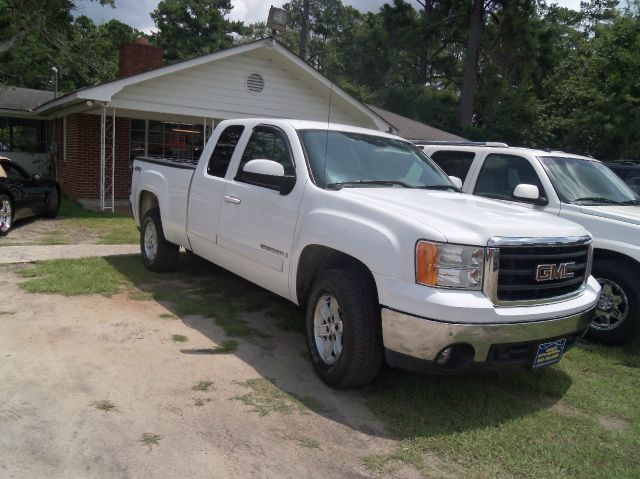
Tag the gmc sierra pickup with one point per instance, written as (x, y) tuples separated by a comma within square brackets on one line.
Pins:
[(386, 255)]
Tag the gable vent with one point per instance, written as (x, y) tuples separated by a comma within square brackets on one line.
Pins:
[(255, 83)]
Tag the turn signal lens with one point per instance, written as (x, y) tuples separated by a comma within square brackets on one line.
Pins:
[(427, 263), (449, 265)]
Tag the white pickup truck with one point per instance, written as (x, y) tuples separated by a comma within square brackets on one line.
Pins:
[(574, 187), (378, 245)]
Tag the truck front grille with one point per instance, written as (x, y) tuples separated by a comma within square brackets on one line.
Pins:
[(529, 273)]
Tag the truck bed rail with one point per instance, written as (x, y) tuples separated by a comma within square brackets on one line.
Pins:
[(183, 163)]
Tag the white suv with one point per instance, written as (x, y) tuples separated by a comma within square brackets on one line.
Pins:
[(575, 187)]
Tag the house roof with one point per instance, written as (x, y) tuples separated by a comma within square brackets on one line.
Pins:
[(23, 99), (104, 92), (412, 129)]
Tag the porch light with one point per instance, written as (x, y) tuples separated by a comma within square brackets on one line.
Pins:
[(277, 19)]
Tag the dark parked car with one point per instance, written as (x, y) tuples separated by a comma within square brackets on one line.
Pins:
[(23, 195), (629, 171)]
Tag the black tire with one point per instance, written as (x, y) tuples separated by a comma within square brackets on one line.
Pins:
[(627, 278), (5, 201), (362, 352), (166, 254), (53, 204)]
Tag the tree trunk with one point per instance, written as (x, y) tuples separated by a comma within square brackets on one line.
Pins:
[(470, 72), (304, 31), (16, 38)]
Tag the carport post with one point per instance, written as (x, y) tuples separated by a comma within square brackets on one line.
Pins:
[(107, 159)]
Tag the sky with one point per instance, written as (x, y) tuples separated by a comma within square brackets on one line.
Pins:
[(136, 12)]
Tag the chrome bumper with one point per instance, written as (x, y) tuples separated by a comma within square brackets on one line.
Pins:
[(423, 338)]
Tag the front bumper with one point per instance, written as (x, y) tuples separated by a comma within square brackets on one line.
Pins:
[(490, 344)]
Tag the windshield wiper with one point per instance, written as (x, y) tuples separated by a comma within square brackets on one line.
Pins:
[(337, 186), (440, 187), (598, 199), (631, 203)]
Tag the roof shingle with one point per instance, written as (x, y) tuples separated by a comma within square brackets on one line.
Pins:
[(24, 99), (412, 129)]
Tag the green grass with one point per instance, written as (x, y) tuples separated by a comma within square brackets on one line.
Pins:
[(141, 296), (226, 347), (266, 398), (289, 317), (179, 338), (305, 441), (55, 237), (109, 228), (104, 405), (203, 385), (76, 224), (72, 277), (150, 440), (580, 418)]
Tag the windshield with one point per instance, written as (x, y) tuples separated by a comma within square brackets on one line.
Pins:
[(587, 182), (339, 158)]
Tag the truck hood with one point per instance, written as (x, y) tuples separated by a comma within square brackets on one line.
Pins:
[(463, 218), (627, 214)]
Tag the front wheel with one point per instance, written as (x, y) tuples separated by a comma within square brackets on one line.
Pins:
[(617, 317), (343, 328), (158, 254), (6, 214)]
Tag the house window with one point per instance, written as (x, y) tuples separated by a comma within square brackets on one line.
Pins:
[(19, 134), (175, 140), (138, 139)]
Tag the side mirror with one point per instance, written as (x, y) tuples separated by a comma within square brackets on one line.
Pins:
[(36, 177), (529, 193), (268, 174), (456, 181)]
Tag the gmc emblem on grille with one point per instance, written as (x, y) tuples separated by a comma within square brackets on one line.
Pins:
[(549, 272)]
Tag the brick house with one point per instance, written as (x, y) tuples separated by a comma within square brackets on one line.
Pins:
[(92, 135)]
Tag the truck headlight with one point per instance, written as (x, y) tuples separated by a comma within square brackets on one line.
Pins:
[(449, 265)]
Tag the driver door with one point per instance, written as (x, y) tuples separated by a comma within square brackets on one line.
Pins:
[(257, 223)]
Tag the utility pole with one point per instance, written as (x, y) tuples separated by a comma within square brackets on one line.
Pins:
[(304, 31)]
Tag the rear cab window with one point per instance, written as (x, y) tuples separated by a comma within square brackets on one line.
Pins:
[(223, 151)]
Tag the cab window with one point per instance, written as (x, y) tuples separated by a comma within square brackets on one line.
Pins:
[(223, 151), (267, 143), (454, 163), (500, 174)]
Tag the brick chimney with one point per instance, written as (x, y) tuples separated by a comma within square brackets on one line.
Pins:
[(139, 57)]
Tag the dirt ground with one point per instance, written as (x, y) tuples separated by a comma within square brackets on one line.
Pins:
[(39, 230), (64, 358)]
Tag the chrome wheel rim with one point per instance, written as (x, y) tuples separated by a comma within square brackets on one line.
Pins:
[(5, 216), (612, 308), (328, 328), (150, 241)]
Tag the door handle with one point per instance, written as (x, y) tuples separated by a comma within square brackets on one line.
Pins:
[(232, 199)]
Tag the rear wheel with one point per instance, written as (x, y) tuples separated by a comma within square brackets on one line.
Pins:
[(617, 317), (6, 214), (157, 253), (53, 204), (344, 335)]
